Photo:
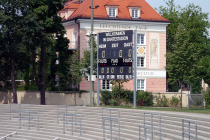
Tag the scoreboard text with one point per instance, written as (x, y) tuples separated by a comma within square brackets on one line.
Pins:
[(115, 55)]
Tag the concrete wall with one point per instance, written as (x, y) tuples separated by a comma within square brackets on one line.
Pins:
[(52, 98), (57, 98), (169, 95)]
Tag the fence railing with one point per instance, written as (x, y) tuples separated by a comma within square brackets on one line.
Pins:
[(9, 135), (30, 116), (195, 100), (16, 108), (64, 109), (112, 117), (74, 121), (189, 133), (149, 124)]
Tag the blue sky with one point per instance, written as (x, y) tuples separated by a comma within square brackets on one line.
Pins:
[(204, 4)]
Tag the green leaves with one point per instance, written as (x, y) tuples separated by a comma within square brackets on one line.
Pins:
[(86, 60), (75, 68), (186, 41)]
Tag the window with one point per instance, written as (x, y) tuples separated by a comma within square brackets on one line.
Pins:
[(112, 12), (66, 14), (106, 85), (135, 13), (141, 84), (73, 40), (141, 62), (141, 39)]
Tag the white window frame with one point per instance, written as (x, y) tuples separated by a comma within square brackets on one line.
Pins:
[(66, 13), (141, 64), (140, 40), (74, 43), (107, 84), (112, 12), (135, 13), (139, 88)]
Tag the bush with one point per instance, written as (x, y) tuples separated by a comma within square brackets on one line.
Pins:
[(207, 98), (144, 98), (127, 96), (174, 101), (161, 101), (106, 97)]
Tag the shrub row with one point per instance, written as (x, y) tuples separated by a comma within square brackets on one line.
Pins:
[(144, 98)]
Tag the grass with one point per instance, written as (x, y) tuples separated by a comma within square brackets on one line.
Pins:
[(186, 110)]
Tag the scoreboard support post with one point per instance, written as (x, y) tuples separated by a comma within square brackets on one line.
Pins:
[(98, 81), (134, 73)]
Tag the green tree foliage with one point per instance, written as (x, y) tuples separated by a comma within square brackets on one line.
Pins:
[(195, 24), (207, 98), (12, 52), (41, 26), (86, 59), (204, 64), (180, 60), (118, 85), (28, 31), (75, 70)]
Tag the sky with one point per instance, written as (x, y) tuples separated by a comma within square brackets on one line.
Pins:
[(204, 4)]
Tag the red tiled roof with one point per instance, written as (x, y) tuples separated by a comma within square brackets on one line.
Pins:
[(72, 6), (111, 3), (133, 4), (147, 12)]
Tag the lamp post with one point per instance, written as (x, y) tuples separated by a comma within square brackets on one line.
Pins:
[(92, 34)]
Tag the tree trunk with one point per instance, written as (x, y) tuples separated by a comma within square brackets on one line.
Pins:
[(13, 82), (75, 94), (181, 95), (42, 75)]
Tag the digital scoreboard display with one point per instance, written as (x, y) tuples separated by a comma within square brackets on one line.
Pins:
[(115, 55)]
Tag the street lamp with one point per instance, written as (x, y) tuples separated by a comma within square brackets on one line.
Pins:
[(91, 78), (92, 34)]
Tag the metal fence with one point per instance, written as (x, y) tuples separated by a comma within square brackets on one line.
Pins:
[(16, 108), (191, 132), (9, 135), (24, 113), (195, 100), (111, 122), (64, 109), (152, 122), (29, 116), (75, 120)]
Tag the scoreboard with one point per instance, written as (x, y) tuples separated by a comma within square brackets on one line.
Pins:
[(115, 55)]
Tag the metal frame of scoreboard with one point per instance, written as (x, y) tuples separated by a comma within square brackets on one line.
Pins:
[(115, 58), (115, 55)]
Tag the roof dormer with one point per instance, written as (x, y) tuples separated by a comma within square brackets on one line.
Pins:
[(134, 10), (112, 9)]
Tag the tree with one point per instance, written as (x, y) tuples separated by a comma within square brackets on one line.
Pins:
[(86, 60), (12, 52), (119, 84), (75, 71), (41, 25), (179, 61), (195, 22), (204, 65)]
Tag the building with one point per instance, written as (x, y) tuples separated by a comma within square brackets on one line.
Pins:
[(114, 15)]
